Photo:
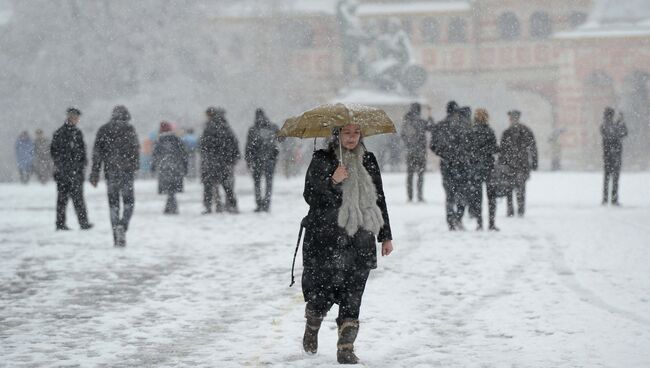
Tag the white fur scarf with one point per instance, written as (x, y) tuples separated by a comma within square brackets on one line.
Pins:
[(359, 205)]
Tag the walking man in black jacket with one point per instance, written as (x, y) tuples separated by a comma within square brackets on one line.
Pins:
[(519, 153), (68, 152), (219, 153), (450, 142), (261, 156), (613, 133), (117, 148)]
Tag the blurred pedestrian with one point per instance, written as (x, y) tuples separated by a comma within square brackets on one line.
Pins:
[(261, 155), (24, 156), (42, 158), (613, 132), (68, 152), (518, 151), (483, 147), (450, 141), (219, 153), (414, 136), (191, 142), (170, 161), (117, 150)]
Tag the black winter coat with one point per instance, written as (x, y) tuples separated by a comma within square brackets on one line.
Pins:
[(261, 145), (483, 147), (170, 161), (414, 135), (519, 149), (613, 134), (219, 149), (117, 147), (450, 140), (325, 241), (68, 152)]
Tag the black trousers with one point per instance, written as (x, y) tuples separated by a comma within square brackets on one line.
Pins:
[(120, 194), (348, 285), (476, 199), (266, 173), (415, 168), (519, 188), (225, 179), (454, 200), (70, 189), (171, 206), (614, 175)]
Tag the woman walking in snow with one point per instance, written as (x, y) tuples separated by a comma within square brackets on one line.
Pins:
[(170, 161), (347, 215)]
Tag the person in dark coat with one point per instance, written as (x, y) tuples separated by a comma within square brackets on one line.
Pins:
[(613, 133), (347, 215), (518, 151), (191, 142), (483, 147), (24, 156), (68, 152), (261, 155), (219, 154), (414, 136), (117, 149), (449, 141), (42, 158), (170, 161)]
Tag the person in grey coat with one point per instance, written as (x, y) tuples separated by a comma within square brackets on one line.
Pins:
[(261, 155), (170, 160), (613, 132)]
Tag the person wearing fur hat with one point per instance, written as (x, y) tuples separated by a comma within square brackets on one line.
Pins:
[(117, 149), (347, 216), (170, 160)]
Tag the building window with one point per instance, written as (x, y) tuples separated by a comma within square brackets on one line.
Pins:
[(509, 27), (540, 25), (577, 19), (457, 30), (297, 34), (430, 30)]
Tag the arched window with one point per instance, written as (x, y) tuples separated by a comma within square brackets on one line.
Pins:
[(430, 30), (540, 25), (297, 34), (508, 25), (577, 18), (457, 30)]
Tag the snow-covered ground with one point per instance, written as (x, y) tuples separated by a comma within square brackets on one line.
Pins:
[(566, 286)]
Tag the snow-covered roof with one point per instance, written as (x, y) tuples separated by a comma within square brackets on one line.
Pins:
[(266, 8), (614, 18), (413, 7), (374, 98)]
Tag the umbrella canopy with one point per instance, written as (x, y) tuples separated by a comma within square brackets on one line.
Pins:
[(320, 121)]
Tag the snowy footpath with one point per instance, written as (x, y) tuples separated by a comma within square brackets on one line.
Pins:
[(566, 286)]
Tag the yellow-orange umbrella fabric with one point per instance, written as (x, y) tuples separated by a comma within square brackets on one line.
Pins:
[(319, 121)]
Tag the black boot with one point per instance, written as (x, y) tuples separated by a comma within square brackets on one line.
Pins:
[(348, 330), (312, 326)]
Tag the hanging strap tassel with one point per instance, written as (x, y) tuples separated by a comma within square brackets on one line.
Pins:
[(295, 254)]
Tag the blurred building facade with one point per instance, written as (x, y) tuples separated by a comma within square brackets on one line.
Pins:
[(569, 59)]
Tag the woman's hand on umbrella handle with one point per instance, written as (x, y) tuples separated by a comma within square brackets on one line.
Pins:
[(340, 174), (386, 247)]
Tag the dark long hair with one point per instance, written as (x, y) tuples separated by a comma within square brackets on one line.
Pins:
[(333, 141)]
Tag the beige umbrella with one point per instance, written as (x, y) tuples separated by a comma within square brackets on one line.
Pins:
[(319, 121), (322, 120)]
